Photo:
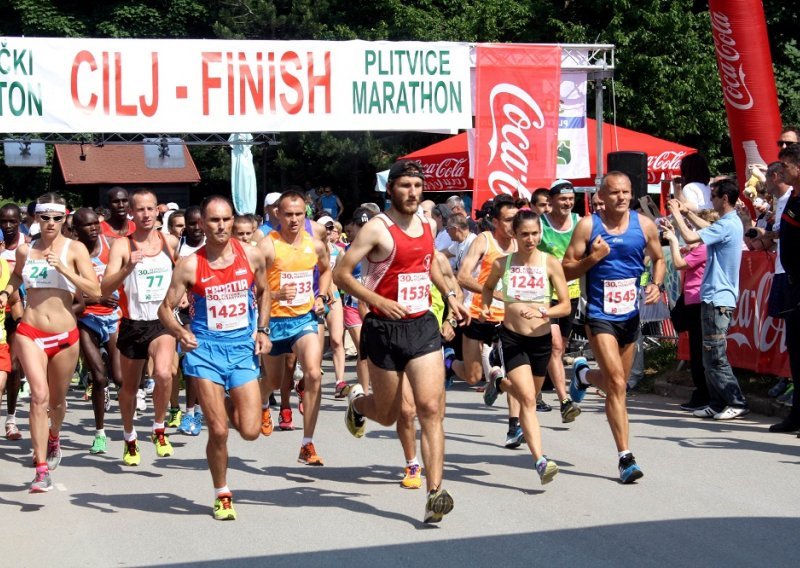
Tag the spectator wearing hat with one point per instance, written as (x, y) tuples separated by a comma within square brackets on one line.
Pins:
[(270, 214)]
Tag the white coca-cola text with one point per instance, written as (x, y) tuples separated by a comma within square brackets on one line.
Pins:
[(734, 86), (518, 113), (751, 326)]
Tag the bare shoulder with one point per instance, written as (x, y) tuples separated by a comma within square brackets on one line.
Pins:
[(648, 226)]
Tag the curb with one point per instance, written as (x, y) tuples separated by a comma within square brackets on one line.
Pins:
[(758, 404)]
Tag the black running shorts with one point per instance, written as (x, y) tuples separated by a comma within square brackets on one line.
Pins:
[(518, 350), (391, 344), (625, 331), (134, 337)]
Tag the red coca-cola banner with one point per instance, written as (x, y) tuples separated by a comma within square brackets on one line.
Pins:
[(755, 340), (748, 83), (516, 137)]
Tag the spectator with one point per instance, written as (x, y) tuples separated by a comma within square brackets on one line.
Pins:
[(596, 203), (456, 205), (441, 214), (466, 197), (461, 237), (719, 291), (691, 260), (784, 299), (270, 215), (695, 193), (789, 135), (373, 208), (329, 203)]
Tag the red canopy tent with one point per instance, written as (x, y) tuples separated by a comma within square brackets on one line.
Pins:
[(446, 163)]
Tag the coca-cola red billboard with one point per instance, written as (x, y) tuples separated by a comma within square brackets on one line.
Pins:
[(516, 135), (666, 164), (748, 84), (447, 174)]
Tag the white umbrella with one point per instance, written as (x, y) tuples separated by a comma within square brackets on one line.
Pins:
[(243, 174)]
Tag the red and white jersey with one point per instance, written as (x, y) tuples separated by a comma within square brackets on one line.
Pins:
[(405, 274), (10, 252), (99, 263)]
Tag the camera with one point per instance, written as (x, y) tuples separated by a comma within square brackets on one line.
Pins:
[(662, 239), (751, 233)]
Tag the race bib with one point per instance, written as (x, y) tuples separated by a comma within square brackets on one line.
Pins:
[(527, 283), (619, 296), (226, 311), (41, 275), (152, 282), (304, 280), (413, 291)]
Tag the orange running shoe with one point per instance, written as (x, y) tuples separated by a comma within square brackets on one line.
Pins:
[(266, 422), (308, 455)]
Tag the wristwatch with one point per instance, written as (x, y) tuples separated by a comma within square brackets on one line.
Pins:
[(324, 298), (451, 293), (660, 286), (264, 330)]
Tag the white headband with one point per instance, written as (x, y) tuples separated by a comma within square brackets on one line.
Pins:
[(50, 208)]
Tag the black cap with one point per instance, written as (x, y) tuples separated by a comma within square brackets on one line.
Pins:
[(406, 168), (361, 215)]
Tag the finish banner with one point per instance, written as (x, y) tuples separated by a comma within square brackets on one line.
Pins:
[(70, 85), (755, 340), (748, 83), (516, 134)]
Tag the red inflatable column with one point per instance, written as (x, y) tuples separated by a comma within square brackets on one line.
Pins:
[(748, 84)]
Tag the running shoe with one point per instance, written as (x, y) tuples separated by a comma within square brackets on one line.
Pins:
[(12, 432), (223, 508), (491, 392), (494, 356), (340, 391), (87, 394), (107, 399), (273, 401), (629, 470), (285, 421), (705, 412), (175, 416), (731, 412), (42, 482), (778, 387), (413, 477), (149, 385), (569, 411), (188, 425), (541, 405), (131, 455), (547, 470), (439, 503), (356, 424), (300, 389), (308, 455), (99, 445), (141, 403), (785, 425), (515, 438), (266, 422), (787, 396), (199, 420), (577, 390), (298, 372), (161, 441), (53, 453)]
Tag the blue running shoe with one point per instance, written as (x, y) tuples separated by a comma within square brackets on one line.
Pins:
[(629, 470), (515, 438), (577, 390), (187, 425), (198, 423)]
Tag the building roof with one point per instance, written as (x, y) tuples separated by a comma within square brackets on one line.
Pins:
[(122, 164)]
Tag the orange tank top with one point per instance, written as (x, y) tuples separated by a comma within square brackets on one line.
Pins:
[(293, 265), (493, 252)]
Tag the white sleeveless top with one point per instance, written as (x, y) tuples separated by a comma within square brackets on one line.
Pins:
[(37, 273), (143, 289)]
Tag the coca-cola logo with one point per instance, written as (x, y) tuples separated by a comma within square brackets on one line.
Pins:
[(750, 326), (517, 114), (734, 86), (666, 161), (447, 168)]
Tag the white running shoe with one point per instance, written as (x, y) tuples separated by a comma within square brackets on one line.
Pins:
[(731, 412), (141, 402)]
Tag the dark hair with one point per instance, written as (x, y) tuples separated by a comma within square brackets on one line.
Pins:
[(177, 214), (291, 194), (727, 188), (362, 215), (208, 201), (443, 211), (774, 168), (524, 215), (52, 197), (694, 169), (791, 153), (501, 202), (194, 209), (14, 209), (795, 129), (541, 191)]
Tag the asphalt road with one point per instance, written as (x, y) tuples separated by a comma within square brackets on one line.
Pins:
[(713, 493)]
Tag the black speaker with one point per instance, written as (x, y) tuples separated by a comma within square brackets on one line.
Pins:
[(634, 165)]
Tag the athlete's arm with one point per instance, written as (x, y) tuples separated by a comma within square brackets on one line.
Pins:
[(80, 273), (173, 243), (457, 309), (120, 264), (15, 279), (447, 272), (182, 279), (559, 282), (474, 255), (325, 278), (258, 265), (487, 291), (576, 262), (656, 253), (368, 238)]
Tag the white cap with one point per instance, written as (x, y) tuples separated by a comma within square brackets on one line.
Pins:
[(325, 220), (172, 206), (271, 198)]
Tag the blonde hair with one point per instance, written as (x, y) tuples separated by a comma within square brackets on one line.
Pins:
[(708, 215), (52, 197)]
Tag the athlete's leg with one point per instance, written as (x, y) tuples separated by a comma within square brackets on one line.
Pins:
[(521, 387), (555, 367), (362, 369), (309, 355), (212, 399), (97, 368), (471, 369), (615, 365), (59, 373), (131, 375), (406, 431), (245, 410), (335, 319), (34, 363), (425, 374), (161, 350)]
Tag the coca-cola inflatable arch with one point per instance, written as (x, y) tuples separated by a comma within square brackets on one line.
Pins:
[(748, 83)]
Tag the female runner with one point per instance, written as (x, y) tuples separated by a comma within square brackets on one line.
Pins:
[(52, 267), (527, 277)]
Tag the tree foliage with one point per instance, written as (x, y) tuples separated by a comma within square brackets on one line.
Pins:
[(666, 82)]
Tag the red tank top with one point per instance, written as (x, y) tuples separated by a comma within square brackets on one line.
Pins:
[(404, 275), (99, 263)]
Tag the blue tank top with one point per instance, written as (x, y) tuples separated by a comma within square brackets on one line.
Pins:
[(613, 283)]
